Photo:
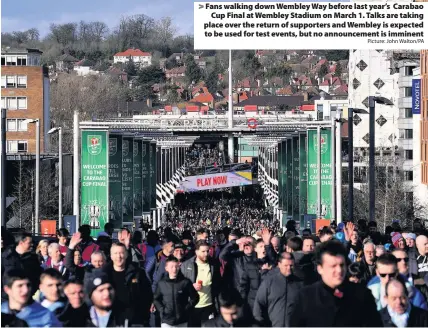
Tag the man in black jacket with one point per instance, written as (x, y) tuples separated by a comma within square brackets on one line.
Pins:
[(22, 257), (400, 312), (275, 297), (76, 310), (204, 273), (233, 311), (175, 296), (132, 287), (333, 301)]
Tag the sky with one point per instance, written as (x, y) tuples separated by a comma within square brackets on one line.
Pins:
[(40, 14)]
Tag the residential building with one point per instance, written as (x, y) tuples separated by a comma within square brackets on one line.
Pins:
[(406, 63), (65, 62), (420, 148), (424, 116), (84, 67), (25, 95), (140, 58)]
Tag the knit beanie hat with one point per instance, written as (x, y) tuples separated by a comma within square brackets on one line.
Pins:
[(95, 278), (411, 235), (395, 237)]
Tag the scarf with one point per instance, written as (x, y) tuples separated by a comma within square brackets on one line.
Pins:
[(400, 320)]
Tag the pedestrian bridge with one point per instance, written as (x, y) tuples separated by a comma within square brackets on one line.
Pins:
[(184, 123)]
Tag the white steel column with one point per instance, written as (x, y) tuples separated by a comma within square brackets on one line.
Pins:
[(76, 171), (339, 166), (230, 145)]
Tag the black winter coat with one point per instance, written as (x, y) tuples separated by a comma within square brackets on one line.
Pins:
[(28, 262), (417, 318), (140, 292), (174, 299), (71, 317), (275, 300), (316, 306)]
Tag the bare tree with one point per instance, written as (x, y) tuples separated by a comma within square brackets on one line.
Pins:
[(165, 32)]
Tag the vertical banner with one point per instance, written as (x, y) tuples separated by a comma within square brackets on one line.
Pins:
[(128, 179), (303, 170), (115, 181), (70, 223), (296, 177), (280, 175), (153, 174), (138, 178), (94, 180), (145, 170), (327, 184), (416, 96), (290, 191), (284, 177)]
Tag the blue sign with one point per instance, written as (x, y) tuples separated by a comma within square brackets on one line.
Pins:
[(70, 223), (416, 96)]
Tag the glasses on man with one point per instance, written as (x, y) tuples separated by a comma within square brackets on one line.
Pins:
[(405, 259), (389, 275)]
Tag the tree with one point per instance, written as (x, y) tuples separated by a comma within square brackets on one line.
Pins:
[(130, 68), (63, 34), (338, 71), (150, 75), (335, 55), (392, 197), (212, 80), (251, 64), (172, 95), (165, 32), (323, 71), (193, 72)]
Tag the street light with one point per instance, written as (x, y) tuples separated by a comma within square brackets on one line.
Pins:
[(372, 102), (37, 195), (3, 167), (351, 112), (51, 131)]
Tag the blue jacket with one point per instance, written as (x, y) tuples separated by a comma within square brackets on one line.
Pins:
[(35, 315), (415, 296)]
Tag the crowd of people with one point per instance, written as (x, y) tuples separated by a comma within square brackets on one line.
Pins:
[(204, 156), (218, 262)]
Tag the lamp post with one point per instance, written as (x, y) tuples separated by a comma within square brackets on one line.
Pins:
[(37, 194), (351, 112), (51, 131), (372, 194)]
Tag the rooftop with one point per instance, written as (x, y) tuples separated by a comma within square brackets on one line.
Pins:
[(8, 50), (132, 53)]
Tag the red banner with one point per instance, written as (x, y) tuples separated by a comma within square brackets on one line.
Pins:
[(47, 227)]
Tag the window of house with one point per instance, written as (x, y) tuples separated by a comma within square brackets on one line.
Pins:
[(408, 71), (3, 81), (22, 125), (408, 175), (22, 81), (10, 81), (17, 146), (22, 102), (408, 113), (408, 133), (11, 103), (407, 91), (22, 60), (408, 154), (11, 125), (3, 102), (3, 60), (22, 146), (11, 60)]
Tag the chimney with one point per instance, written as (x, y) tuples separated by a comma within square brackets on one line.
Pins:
[(149, 103)]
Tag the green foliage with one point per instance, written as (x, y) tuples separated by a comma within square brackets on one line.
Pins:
[(335, 55), (323, 71), (251, 64), (282, 71), (338, 71), (130, 68), (150, 75), (193, 72), (212, 80)]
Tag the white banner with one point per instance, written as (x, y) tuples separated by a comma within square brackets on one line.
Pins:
[(215, 181)]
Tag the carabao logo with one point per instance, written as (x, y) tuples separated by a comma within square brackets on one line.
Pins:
[(125, 148), (94, 144), (324, 145)]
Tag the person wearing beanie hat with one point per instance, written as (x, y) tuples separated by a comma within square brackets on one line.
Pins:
[(410, 239), (105, 311), (398, 240)]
